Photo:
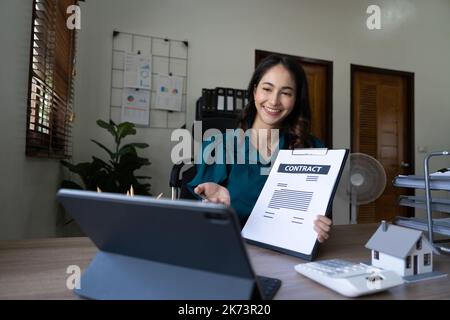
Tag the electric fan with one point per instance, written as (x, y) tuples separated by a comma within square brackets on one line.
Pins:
[(363, 181)]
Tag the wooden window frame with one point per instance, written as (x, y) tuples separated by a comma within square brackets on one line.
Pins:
[(419, 244), (51, 75), (427, 259), (408, 262)]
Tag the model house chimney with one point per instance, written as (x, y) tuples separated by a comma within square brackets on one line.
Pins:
[(384, 225)]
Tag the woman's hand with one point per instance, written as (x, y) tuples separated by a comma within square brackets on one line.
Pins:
[(213, 193), (322, 225)]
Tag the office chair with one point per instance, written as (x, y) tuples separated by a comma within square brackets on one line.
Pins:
[(182, 173)]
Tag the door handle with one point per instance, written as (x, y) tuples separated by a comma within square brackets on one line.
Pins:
[(404, 164)]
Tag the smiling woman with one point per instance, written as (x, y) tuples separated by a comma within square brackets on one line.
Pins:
[(279, 102), (274, 98)]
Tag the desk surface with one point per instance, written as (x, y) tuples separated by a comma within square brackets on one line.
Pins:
[(36, 269)]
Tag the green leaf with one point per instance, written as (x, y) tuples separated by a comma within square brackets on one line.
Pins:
[(80, 168), (110, 127), (101, 163), (131, 148), (124, 129), (137, 145), (126, 149), (111, 154), (68, 165), (144, 161)]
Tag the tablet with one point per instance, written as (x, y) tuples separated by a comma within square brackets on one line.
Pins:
[(161, 249)]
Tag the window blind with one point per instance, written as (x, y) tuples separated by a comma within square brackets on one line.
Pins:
[(49, 113)]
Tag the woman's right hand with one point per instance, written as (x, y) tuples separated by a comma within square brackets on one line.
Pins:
[(213, 192)]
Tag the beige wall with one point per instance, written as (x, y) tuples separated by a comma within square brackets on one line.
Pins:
[(222, 38), (27, 186)]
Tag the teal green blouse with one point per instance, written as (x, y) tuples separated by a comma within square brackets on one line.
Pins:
[(243, 181)]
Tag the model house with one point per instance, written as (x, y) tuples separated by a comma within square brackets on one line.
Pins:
[(404, 250)]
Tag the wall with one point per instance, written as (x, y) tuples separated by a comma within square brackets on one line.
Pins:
[(27, 185), (389, 262), (222, 38)]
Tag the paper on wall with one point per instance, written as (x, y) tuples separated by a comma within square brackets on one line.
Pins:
[(169, 92), (136, 106), (137, 71)]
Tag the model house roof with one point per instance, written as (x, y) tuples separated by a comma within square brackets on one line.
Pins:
[(395, 241)]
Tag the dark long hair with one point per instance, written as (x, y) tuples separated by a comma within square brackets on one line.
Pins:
[(297, 125)]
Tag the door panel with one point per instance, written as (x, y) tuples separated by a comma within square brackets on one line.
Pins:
[(382, 128), (317, 83), (415, 265)]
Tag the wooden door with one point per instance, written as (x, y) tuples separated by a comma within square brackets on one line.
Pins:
[(316, 76), (319, 78), (382, 127)]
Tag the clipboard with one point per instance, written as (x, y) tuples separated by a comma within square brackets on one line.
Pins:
[(301, 184)]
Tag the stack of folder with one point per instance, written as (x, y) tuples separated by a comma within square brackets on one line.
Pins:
[(441, 205), (438, 181), (223, 101), (440, 226)]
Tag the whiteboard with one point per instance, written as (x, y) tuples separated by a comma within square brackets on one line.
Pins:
[(168, 56)]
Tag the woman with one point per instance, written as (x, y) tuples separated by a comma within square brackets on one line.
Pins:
[(278, 100)]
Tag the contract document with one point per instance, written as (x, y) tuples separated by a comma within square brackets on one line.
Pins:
[(300, 186)]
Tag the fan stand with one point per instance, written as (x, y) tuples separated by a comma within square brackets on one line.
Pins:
[(354, 208), (354, 213), (356, 180)]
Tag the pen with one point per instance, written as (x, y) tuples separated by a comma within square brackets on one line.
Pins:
[(201, 195)]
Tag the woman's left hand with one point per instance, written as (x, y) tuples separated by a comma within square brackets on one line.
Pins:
[(322, 225)]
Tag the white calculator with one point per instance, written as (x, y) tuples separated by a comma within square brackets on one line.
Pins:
[(348, 278)]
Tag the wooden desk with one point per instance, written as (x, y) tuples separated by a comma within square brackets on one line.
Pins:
[(36, 269)]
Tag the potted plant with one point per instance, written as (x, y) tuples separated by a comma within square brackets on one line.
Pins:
[(117, 173)]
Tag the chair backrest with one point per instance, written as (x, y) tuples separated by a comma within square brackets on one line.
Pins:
[(220, 120), (218, 123)]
